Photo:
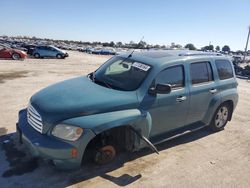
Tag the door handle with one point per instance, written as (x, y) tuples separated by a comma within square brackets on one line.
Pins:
[(181, 98), (213, 91)]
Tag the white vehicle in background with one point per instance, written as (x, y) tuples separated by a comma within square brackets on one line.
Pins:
[(104, 51)]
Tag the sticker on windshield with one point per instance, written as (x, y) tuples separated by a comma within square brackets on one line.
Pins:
[(141, 66)]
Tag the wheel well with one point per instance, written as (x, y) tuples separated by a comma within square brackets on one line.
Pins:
[(231, 106), (15, 53), (122, 138)]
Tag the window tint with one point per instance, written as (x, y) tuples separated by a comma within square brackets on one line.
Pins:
[(224, 69), (201, 72), (173, 76), (41, 48)]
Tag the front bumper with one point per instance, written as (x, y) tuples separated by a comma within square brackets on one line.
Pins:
[(52, 148)]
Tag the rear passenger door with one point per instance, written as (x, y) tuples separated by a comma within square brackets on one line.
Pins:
[(202, 90)]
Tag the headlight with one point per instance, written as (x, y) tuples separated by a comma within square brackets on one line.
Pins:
[(67, 132)]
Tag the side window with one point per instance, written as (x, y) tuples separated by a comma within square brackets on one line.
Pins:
[(41, 48), (224, 69), (52, 49), (173, 76), (201, 72)]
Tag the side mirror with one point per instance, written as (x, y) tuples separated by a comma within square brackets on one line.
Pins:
[(160, 89)]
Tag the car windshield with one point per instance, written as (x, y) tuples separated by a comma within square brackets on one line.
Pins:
[(121, 74), (55, 48)]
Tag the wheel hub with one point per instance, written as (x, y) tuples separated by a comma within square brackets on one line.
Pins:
[(105, 154), (221, 117)]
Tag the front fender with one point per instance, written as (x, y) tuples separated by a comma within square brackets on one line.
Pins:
[(140, 120)]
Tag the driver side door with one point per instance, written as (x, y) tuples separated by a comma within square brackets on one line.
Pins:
[(170, 110)]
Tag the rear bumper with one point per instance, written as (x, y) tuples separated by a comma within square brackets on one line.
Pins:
[(49, 147)]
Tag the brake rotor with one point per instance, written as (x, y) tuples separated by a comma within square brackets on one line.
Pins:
[(105, 154)]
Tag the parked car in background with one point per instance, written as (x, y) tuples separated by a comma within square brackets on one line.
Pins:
[(6, 53), (96, 50), (104, 51), (49, 51), (30, 48), (108, 51), (88, 50), (237, 59), (132, 101)]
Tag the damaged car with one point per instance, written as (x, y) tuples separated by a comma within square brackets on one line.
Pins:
[(132, 101)]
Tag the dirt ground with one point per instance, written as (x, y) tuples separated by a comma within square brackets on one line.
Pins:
[(200, 159)]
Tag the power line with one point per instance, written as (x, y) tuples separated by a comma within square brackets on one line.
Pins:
[(246, 44)]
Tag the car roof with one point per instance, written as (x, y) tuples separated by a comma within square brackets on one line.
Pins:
[(163, 57)]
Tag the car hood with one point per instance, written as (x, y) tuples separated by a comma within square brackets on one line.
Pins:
[(13, 50), (62, 51), (79, 97)]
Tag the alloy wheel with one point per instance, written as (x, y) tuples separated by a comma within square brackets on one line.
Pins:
[(221, 117)]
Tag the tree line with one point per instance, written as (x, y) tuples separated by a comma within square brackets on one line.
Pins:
[(131, 44), (210, 47)]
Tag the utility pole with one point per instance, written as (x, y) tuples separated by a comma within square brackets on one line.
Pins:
[(246, 44)]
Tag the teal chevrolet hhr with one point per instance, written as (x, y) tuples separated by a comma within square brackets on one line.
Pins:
[(132, 101)]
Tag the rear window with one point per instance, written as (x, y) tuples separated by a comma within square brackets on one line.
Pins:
[(224, 69), (201, 72)]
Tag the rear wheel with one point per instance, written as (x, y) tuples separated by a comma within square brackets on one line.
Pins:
[(16, 56), (37, 55), (221, 117)]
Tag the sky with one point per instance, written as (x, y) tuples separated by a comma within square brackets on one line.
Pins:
[(219, 22)]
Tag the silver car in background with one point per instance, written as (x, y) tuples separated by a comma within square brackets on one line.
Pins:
[(49, 51)]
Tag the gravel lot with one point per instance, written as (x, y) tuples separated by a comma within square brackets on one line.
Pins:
[(201, 159)]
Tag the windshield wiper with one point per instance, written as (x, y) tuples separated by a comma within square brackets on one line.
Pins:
[(103, 83)]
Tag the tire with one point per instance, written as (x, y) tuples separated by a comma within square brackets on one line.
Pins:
[(221, 117), (16, 56), (37, 55), (59, 56)]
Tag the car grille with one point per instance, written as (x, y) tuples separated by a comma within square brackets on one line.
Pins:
[(34, 119)]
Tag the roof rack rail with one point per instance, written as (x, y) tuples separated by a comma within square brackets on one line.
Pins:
[(198, 54)]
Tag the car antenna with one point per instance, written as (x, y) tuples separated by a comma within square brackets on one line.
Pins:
[(130, 55)]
